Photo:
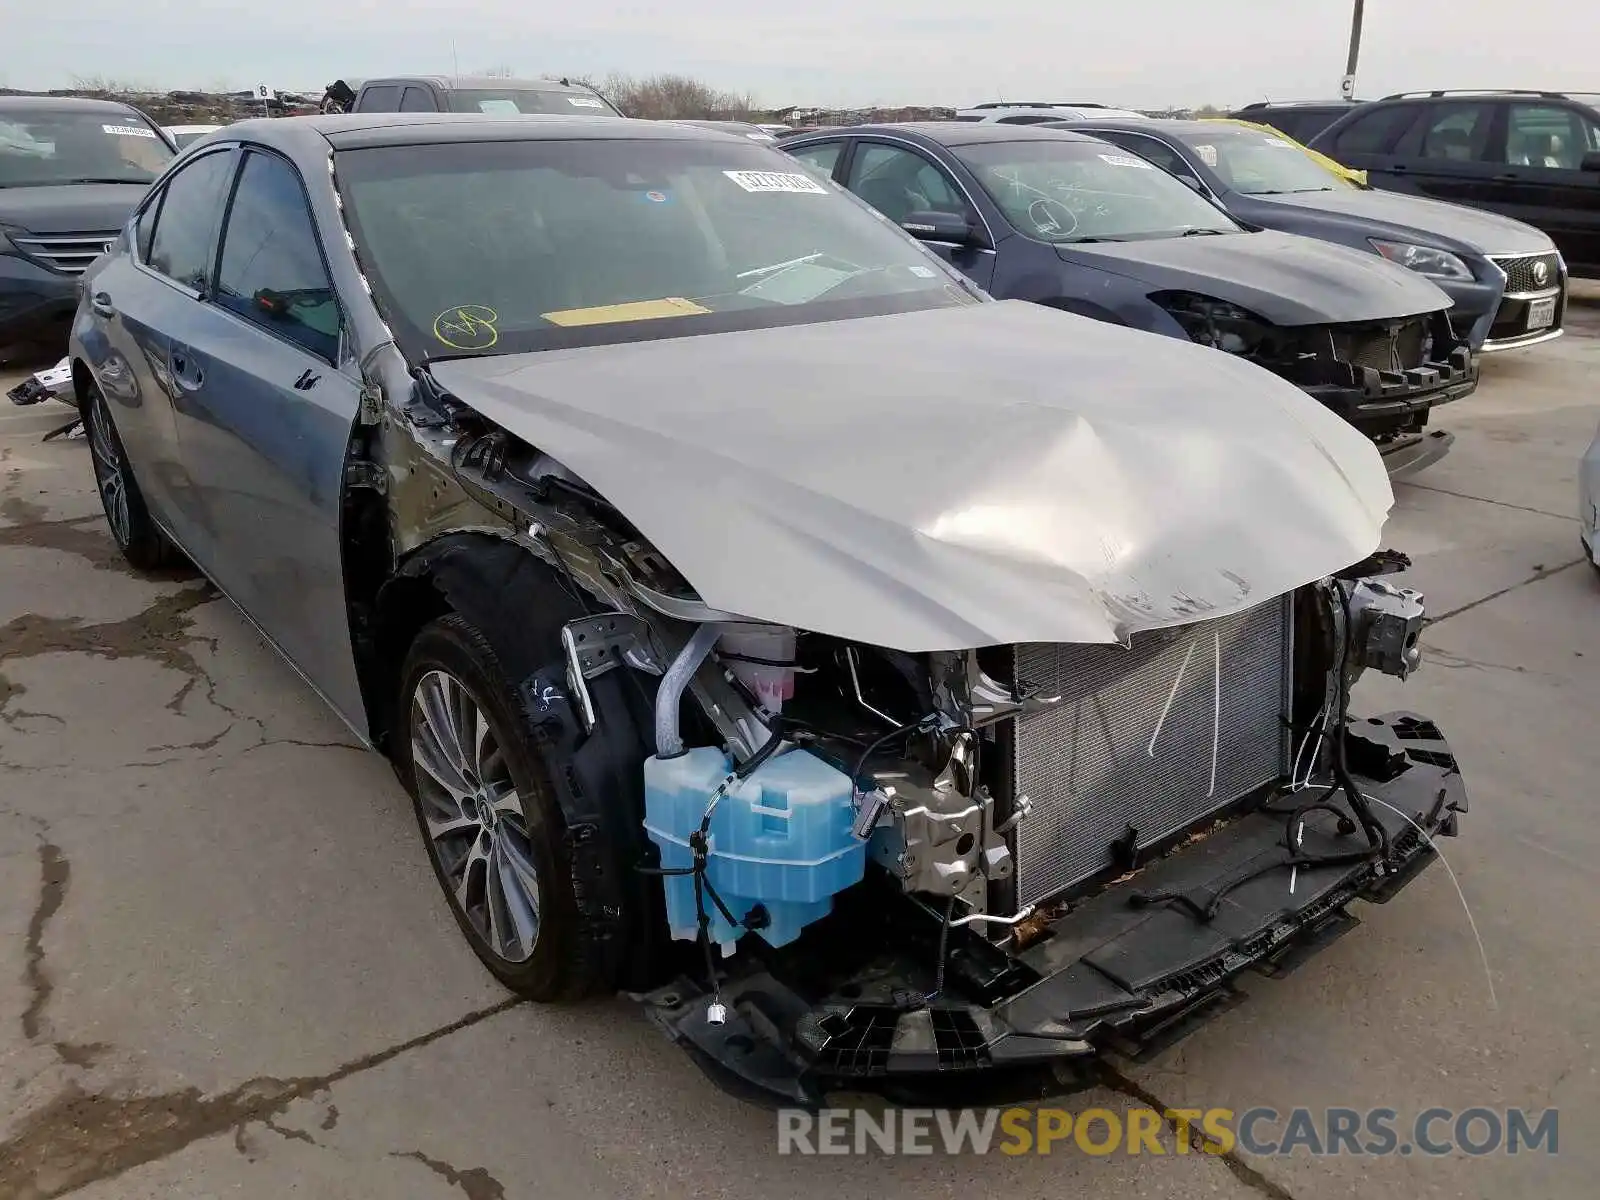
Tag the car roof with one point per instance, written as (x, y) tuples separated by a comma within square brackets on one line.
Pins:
[(1269, 105), (39, 104), (1170, 126), (480, 83), (955, 133), (349, 131)]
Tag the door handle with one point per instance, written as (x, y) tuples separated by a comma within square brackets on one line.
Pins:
[(100, 302), (186, 371), (1508, 177), (1399, 169)]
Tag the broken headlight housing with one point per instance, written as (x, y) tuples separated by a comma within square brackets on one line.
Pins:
[(1212, 322)]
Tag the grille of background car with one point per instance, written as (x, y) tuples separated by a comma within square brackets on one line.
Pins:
[(1087, 766), (68, 253), (1519, 272)]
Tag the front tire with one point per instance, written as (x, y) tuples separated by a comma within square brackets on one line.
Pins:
[(142, 543), (489, 820)]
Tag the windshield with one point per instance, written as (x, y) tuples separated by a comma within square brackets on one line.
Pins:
[(506, 102), (499, 247), (1071, 191), (1257, 163), (41, 148)]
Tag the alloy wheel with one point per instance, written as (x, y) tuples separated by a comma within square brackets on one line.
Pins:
[(109, 474), (477, 830)]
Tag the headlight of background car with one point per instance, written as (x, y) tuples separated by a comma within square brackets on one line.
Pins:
[(1213, 322), (1424, 260)]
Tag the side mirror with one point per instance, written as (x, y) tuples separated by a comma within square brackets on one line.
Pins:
[(1591, 161), (940, 227)]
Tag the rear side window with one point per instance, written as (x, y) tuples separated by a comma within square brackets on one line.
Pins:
[(821, 158), (417, 100), (271, 271), (1375, 132), (381, 97), (1455, 132), (186, 226), (1163, 155)]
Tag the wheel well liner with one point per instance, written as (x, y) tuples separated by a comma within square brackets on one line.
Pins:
[(520, 604)]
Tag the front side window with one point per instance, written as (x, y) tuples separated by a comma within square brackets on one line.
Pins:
[(53, 147), (1084, 191), (508, 102), (1550, 136), (503, 246), (186, 225), (898, 182), (1258, 163), (271, 270), (1456, 132)]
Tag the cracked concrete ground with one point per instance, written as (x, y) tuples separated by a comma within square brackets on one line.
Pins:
[(224, 968)]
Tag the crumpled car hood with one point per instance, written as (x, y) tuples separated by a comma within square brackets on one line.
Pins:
[(1285, 278), (953, 478)]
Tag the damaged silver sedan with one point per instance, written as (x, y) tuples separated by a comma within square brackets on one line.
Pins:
[(884, 683)]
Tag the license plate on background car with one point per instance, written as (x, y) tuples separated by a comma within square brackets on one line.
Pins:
[(1541, 313)]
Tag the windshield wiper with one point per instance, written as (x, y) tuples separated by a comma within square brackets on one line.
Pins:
[(1197, 231), (100, 179)]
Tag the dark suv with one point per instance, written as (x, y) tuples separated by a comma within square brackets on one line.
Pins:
[(70, 173), (1534, 156), (467, 94), (1300, 119)]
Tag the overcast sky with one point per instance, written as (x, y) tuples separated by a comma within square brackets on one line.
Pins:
[(1141, 53)]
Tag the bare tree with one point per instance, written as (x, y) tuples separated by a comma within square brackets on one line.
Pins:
[(673, 97)]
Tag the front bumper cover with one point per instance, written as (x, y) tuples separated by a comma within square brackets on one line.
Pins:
[(1106, 975), (1384, 404)]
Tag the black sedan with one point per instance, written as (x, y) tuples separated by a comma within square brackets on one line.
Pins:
[(1506, 278), (1081, 225)]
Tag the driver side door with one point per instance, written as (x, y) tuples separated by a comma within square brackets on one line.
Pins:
[(269, 402), (898, 180)]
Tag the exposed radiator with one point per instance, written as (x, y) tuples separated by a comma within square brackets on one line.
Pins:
[(1087, 764)]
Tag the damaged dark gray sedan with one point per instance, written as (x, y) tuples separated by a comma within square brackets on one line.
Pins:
[(1079, 224), (886, 684)]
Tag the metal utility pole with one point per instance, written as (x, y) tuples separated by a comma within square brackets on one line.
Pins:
[(1348, 84)]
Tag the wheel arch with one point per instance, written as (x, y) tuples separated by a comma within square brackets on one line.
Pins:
[(519, 603)]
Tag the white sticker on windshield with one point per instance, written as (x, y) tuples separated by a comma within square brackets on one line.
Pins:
[(1272, 141), (923, 272), (1124, 160), (775, 181), (499, 107), (584, 102), (1208, 155), (129, 130)]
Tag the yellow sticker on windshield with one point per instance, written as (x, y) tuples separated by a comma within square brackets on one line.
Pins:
[(637, 310), (467, 327)]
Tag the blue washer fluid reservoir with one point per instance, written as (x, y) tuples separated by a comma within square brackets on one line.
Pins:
[(780, 839)]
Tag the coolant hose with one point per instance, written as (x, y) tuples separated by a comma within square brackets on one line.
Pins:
[(669, 738)]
